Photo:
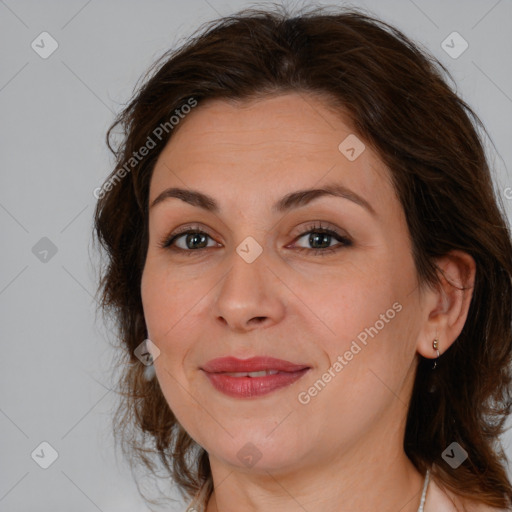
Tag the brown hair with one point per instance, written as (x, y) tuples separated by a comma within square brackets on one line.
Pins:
[(398, 102)]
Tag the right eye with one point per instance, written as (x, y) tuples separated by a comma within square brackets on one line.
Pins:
[(193, 239)]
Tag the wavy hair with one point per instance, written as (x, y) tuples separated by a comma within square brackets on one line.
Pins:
[(396, 97)]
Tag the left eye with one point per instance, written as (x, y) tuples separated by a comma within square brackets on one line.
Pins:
[(323, 236)]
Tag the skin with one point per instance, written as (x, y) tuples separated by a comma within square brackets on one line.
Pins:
[(342, 451)]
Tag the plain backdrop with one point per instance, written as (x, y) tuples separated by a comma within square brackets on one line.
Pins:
[(55, 364)]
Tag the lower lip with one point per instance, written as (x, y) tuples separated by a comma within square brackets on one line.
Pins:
[(247, 387)]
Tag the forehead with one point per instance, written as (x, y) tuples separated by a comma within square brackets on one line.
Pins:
[(247, 150)]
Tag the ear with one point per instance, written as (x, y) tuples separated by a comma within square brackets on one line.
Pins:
[(446, 306)]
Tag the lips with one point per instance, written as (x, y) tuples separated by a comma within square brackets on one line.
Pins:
[(254, 377), (253, 364)]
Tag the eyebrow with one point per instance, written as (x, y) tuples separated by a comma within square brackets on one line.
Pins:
[(292, 200)]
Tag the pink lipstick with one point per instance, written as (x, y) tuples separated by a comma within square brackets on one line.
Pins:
[(257, 376)]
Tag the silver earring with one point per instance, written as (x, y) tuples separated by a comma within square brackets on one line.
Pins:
[(146, 352), (435, 344), (149, 372)]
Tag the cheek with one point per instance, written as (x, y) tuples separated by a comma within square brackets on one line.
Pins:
[(163, 299), (352, 302), (172, 308), (362, 318), (153, 302), (167, 313)]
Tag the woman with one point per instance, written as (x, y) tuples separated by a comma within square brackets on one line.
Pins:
[(309, 272)]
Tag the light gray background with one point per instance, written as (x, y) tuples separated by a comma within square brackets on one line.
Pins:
[(55, 365)]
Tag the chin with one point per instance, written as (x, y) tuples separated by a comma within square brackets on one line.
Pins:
[(258, 452)]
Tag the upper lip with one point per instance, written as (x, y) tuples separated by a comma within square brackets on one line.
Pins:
[(253, 364)]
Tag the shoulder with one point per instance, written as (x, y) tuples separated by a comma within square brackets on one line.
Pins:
[(442, 500)]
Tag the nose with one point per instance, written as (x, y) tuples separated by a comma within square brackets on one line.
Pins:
[(249, 296)]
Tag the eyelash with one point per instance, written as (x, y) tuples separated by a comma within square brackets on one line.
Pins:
[(168, 241)]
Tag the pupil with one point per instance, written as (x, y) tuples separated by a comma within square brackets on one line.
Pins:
[(192, 237), (324, 236)]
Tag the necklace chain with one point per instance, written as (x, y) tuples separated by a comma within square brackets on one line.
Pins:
[(424, 493)]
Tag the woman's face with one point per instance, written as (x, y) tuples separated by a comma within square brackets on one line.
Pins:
[(262, 280)]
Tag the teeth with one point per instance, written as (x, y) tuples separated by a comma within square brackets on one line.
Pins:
[(252, 374)]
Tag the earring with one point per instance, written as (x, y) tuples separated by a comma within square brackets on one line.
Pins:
[(149, 372), (435, 345), (147, 352)]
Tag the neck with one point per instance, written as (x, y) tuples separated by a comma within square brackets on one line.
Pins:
[(378, 477)]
